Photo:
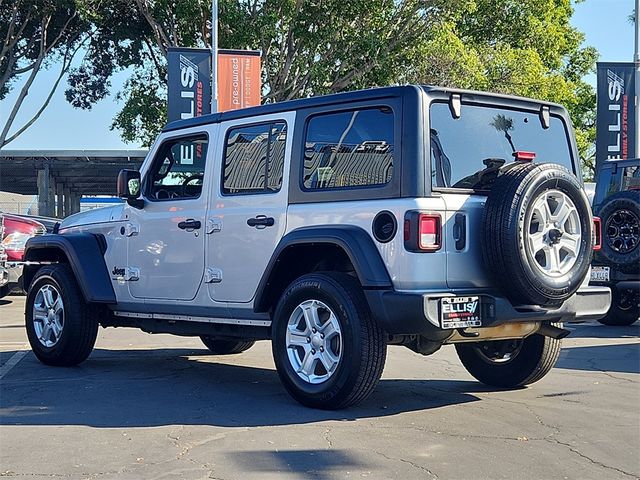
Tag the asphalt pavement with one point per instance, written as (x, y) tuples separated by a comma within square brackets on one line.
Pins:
[(160, 407)]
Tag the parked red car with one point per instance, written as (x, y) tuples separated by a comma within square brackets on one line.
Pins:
[(17, 229)]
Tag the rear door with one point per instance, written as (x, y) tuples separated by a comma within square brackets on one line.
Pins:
[(248, 208), (466, 155)]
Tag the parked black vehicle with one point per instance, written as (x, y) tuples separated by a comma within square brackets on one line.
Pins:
[(617, 264)]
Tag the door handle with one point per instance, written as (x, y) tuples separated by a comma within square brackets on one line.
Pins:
[(261, 221), (190, 224)]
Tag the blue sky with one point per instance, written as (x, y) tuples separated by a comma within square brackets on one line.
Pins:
[(604, 22)]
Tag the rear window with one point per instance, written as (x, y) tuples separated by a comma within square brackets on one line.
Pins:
[(468, 151)]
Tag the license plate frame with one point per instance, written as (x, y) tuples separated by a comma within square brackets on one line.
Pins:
[(600, 274), (460, 312)]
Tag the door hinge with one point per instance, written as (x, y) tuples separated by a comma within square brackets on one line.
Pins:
[(212, 275), (131, 230), (214, 225)]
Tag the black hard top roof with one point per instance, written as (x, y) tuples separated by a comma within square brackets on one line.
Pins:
[(321, 100)]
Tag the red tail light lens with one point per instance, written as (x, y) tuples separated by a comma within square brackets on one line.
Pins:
[(429, 232), (422, 232), (597, 233)]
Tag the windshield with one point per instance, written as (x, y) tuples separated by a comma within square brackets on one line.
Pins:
[(467, 152)]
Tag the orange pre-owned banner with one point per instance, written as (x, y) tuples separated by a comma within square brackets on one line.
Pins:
[(239, 80)]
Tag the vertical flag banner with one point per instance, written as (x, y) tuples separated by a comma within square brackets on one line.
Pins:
[(615, 122), (239, 79), (189, 83)]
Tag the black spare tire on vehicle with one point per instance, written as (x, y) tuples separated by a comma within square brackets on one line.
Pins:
[(537, 234), (620, 215)]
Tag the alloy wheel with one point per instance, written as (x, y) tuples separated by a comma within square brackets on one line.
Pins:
[(48, 315), (553, 233), (314, 341)]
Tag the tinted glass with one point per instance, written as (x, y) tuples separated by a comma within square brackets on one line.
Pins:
[(254, 159), (467, 152), (178, 169), (349, 149), (631, 178)]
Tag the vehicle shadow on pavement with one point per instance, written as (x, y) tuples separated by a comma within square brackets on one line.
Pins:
[(157, 387), (597, 330), (620, 357)]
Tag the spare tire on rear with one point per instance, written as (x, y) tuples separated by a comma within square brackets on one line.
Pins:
[(537, 234), (620, 215)]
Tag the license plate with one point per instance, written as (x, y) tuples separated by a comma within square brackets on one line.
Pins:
[(600, 274), (460, 312)]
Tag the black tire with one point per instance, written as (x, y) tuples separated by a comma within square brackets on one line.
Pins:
[(80, 321), (4, 291), (362, 346), (620, 215), (226, 347), (509, 208), (624, 310), (536, 356)]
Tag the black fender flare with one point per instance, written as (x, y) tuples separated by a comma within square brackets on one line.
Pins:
[(354, 241), (85, 254)]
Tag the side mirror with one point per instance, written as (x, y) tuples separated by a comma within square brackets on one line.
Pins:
[(129, 187)]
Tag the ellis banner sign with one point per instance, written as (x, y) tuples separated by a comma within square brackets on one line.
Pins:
[(189, 83), (615, 136), (239, 81)]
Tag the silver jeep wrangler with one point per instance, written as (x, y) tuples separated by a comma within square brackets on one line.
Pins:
[(335, 226)]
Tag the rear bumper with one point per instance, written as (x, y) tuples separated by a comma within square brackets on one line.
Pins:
[(4, 275), (419, 313), (13, 272)]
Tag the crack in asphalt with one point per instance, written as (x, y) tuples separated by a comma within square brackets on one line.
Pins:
[(586, 457), (413, 464), (592, 363), (327, 431)]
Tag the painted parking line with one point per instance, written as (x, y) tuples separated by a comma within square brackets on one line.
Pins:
[(13, 361)]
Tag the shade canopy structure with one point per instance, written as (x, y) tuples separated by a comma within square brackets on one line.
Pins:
[(61, 177)]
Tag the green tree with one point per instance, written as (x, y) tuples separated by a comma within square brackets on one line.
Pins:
[(35, 34), (311, 47)]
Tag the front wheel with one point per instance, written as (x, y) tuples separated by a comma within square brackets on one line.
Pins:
[(328, 350), (624, 310), (61, 327), (510, 363)]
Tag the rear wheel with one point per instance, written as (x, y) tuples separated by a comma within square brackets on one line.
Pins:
[(510, 363), (624, 310), (328, 351), (61, 327), (226, 347)]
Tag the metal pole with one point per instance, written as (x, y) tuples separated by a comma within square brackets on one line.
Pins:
[(636, 59), (214, 56)]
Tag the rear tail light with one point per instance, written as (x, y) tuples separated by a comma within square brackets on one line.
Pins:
[(597, 233), (14, 244), (422, 232)]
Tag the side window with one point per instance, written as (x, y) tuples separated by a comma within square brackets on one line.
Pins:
[(631, 178), (349, 149), (178, 169), (254, 159)]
